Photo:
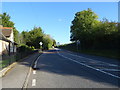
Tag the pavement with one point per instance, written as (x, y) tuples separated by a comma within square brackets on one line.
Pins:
[(59, 68), (16, 77)]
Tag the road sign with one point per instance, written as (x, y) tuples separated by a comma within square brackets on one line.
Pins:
[(40, 43), (78, 42)]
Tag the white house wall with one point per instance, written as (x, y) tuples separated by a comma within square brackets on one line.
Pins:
[(4, 47), (11, 38)]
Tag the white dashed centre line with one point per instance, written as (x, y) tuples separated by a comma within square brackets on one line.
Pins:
[(34, 71), (34, 82)]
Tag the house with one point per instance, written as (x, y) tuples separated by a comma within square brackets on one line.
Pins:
[(7, 44)]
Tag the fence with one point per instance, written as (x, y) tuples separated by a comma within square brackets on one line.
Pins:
[(7, 60)]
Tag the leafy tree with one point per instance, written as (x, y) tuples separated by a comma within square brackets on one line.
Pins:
[(24, 37), (82, 27), (33, 37), (5, 18), (54, 43), (47, 41), (83, 24), (16, 35), (92, 33)]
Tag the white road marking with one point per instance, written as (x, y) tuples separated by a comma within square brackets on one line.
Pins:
[(93, 60), (27, 79), (34, 82), (110, 69), (34, 71), (113, 65), (89, 66), (35, 66)]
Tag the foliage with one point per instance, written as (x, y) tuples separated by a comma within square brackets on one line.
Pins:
[(24, 48), (47, 42), (35, 36), (82, 24), (16, 35), (5, 18), (94, 34), (31, 38), (110, 53), (54, 43)]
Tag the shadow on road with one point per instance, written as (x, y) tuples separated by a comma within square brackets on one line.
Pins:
[(51, 62)]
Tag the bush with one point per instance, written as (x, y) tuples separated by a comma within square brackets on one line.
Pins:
[(25, 48), (32, 48)]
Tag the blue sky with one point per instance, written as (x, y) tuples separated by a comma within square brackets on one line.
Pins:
[(55, 18)]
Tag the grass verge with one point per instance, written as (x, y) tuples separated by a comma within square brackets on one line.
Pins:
[(14, 58), (6, 62), (105, 53)]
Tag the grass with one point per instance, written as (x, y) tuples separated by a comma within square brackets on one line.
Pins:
[(13, 58), (6, 62), (105, 52)]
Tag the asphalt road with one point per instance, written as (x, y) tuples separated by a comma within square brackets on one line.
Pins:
[(63, 69)]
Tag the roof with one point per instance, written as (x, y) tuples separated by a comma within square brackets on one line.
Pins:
[(6, 31), (2, 37), (6, 28)]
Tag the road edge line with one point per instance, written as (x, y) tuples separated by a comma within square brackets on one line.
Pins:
[(89, 66), (24, 87), (90, 59)]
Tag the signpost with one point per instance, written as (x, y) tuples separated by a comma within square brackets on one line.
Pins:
[(41, 44), (77, 43)]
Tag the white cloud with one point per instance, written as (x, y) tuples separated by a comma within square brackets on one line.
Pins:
[(59, 19)]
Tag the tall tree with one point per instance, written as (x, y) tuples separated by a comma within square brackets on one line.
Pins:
[(92, 33), (54, 42), (82, 24), (5, 18), (33, 37), (47, 41)]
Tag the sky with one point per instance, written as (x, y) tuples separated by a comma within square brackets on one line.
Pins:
[(55, 17)]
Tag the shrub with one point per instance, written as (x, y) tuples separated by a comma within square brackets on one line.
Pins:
[(25, 48)]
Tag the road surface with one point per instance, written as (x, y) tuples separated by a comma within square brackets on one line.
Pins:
[(64, 69)]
